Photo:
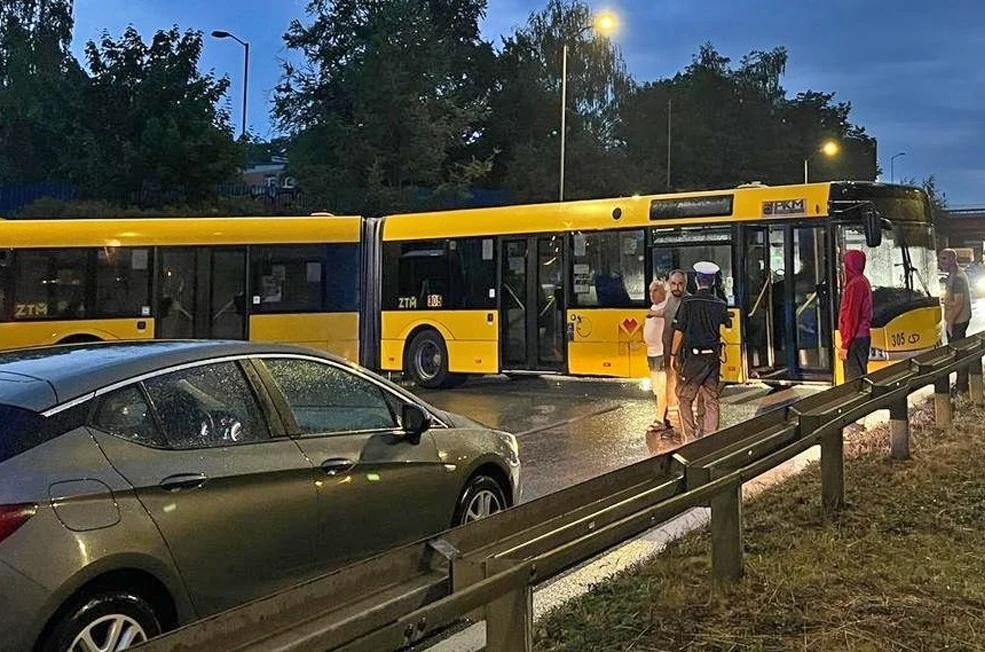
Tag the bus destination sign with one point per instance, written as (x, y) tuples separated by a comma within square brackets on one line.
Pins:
[(711, 206)]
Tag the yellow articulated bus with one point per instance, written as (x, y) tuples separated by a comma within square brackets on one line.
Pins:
[(265, 279), (562, 288), (554, 288)]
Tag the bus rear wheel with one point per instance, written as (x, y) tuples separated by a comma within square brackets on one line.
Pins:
[(426, 361)]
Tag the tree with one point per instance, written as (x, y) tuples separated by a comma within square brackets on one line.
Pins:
[(732, 124), (392, 97), (524, 126), (40, 86), (152, 122)]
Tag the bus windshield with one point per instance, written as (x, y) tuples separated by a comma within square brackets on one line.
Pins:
[(902, 270)]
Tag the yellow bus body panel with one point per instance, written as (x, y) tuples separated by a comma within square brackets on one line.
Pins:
[(905, 336), (336, 333), (15, 335), (609, 342), (598, 214), (176, 232), (472, 338)]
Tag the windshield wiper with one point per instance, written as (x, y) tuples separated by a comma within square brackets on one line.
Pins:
[(908, 267)]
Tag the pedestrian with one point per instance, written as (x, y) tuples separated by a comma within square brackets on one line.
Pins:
[(957, 306), (653, 329), (855, 317), (677, 280), (697, 351)]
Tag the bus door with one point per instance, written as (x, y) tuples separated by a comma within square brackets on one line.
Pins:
[(532, 304), (786, 303), (202, 293)]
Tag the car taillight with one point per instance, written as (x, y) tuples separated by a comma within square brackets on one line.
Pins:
[(14, 516)]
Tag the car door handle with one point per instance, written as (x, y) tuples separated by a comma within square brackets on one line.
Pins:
[(181, 481), (337, 465)]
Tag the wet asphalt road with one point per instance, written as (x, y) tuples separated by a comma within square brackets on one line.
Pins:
[(573, 430)]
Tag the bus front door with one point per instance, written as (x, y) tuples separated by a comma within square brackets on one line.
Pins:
[(532, 304), (786, 303), (202, 293)]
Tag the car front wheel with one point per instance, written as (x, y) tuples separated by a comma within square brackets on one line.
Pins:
[(105, 622), (482, 497)]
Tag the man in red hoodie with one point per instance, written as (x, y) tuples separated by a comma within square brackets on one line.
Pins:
[(855, 317)]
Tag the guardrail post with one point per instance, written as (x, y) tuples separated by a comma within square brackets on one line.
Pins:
[(510, 619), (899, 423), (726, 534), (942, 402), (975, 382), (833, 470)]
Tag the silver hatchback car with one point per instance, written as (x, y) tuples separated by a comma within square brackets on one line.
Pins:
[(144, 485)]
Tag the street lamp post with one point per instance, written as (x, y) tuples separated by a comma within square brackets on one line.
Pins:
[(829, 148), (892, 166), (246, 67), (605, 23)]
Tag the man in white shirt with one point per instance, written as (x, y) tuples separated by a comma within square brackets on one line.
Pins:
[(653, 330)]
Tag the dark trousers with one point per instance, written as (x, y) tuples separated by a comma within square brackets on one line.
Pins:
[(955, 333), (857, 363), (699, 379)]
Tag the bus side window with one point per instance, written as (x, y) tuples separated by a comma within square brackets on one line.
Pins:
[(6, 260), (608, 270)]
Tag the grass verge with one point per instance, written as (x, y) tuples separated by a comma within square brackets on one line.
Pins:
[(902, 567)]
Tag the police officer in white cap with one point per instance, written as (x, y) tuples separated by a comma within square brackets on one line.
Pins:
[(697, 351)]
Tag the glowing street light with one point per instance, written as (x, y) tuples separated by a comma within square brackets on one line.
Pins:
[(829, 148), (604, 23)]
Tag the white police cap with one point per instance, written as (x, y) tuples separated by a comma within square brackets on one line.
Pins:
[(706, 268)]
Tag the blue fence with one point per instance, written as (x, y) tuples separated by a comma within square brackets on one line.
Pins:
[(274, 199), (14, 198)]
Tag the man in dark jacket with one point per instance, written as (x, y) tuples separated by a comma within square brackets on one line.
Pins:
[(855, 317), (697, 351)]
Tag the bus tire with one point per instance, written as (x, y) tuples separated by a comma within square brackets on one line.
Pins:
[(79, 339), (426, 360)]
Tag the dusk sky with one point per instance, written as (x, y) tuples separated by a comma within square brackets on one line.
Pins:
[(913, 71)]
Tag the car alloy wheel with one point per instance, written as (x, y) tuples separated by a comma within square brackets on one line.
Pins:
[(110, 633)]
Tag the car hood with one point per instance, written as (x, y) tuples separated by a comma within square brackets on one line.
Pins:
[(459, 421)]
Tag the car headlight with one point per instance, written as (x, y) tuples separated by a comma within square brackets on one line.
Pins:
[(980, 284), (878, 354), (513, 445)]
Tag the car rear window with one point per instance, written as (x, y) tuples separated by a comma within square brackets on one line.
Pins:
[(22, 429)]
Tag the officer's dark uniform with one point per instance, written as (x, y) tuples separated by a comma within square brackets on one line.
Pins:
[(700, 319)]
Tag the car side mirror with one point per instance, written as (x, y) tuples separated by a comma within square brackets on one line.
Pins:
[(415, 421), (872, 226)]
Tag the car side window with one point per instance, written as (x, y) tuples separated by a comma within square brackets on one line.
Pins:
[(207, 406), (326, 399), (126, 414)]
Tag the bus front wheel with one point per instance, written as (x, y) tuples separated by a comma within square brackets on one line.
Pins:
[(426, 361)]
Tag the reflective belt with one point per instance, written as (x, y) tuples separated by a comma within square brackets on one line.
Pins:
[(703, 351)]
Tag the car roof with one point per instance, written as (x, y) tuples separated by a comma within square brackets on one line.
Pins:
[(41, 378)]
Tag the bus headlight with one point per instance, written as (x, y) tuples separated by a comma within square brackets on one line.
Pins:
[(878, 355), (980, 284)]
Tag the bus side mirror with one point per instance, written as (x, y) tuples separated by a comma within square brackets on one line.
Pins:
[(872, 226)]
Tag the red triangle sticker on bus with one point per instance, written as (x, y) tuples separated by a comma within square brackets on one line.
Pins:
[(630, 324)]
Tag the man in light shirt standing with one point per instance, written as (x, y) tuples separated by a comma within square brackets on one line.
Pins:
[(957, 306), (653, 336)]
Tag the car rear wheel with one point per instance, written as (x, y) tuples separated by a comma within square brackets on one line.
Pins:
[(105, 622), (482, 497)]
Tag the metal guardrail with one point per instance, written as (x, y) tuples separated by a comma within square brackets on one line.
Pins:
[(488, 569)]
